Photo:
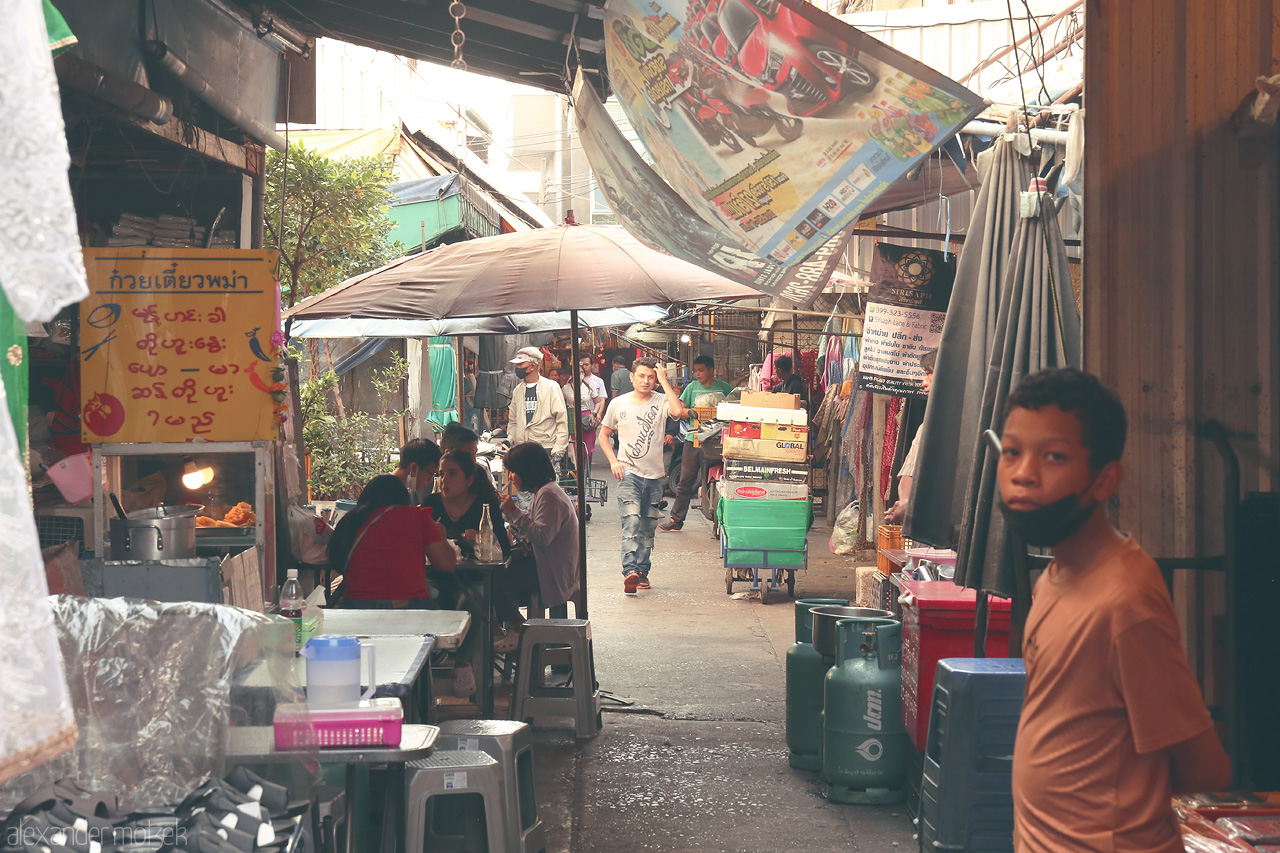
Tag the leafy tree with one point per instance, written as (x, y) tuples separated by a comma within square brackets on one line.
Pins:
[(335, 218), (350, 448)]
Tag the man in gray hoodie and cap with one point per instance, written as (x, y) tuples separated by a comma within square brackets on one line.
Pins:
[(537, 406)]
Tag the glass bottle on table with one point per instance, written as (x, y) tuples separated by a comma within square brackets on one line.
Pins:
[(487, 550)]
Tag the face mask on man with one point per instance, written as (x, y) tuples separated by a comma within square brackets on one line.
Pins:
[(1046, 526), (523, 371)]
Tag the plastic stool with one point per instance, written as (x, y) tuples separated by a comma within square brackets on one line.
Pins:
[(969, 754), (533, 700), (510, 743), (453, 802)]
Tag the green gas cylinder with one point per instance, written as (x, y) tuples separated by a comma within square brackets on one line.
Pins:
[(806, 668), (864, 744)]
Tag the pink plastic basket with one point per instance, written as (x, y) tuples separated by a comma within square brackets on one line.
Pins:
[(376, 722)]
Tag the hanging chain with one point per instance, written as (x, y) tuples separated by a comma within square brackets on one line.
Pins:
[(458, 39)]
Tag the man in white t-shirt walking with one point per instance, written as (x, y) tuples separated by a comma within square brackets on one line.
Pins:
[(640, 419)]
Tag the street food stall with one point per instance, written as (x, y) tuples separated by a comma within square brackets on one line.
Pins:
[(182, 399)]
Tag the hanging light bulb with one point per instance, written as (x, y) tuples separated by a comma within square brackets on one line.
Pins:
[(193, 477), (684, 339)]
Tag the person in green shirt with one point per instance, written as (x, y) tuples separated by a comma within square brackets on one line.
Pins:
[(704, 383)]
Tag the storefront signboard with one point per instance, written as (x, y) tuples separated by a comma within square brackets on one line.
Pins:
[(176, 345), (905, 311)]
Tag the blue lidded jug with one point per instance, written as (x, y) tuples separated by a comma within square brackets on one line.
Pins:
[(333, 671)]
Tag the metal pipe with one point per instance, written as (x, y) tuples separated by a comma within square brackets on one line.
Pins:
[(257, 213), (160, 52), (578, 447), (75, 73), (990, 128)]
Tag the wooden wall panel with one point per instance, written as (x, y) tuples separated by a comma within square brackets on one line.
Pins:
[(1180, 285)]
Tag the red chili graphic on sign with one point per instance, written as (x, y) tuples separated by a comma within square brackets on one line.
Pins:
[(103, 414)]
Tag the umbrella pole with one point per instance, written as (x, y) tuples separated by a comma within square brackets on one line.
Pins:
[(581, 466), (461, 380)]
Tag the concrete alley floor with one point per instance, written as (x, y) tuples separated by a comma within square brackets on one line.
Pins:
[(697, 759)]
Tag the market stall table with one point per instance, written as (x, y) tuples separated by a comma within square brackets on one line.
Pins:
[(449, 627), (401, 661), (256, 745)]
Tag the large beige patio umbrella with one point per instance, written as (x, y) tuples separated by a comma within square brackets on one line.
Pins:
[(569, 268)]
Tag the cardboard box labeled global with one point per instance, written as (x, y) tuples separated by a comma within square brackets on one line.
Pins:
[(772, 432), (753, 470), (773, 450), (763, 490)]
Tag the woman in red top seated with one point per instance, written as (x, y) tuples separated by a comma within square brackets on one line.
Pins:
[(382, 548)]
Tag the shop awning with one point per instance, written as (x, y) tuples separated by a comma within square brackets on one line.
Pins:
[(524, 41), (509, 324)]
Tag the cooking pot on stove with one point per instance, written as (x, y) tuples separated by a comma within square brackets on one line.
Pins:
[(159, 533)]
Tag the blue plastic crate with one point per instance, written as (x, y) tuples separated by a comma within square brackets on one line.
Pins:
[(966, 798)]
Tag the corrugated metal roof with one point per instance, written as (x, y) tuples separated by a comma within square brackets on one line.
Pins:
[(956, 38)]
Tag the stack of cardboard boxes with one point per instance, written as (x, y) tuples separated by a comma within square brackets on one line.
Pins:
[(765, 489)]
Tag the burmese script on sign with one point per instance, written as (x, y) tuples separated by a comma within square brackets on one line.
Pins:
[(177, 346)]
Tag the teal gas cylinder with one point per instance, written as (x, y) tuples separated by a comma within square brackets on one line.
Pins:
[(864, 744), (806, 668)]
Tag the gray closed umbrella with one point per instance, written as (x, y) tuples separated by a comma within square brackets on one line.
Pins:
[(1038, 327), (955, 402)]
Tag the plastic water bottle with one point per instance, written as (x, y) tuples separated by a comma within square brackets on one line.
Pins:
[(487, 545), (291, 606)]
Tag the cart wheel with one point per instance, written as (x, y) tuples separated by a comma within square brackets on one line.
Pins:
[(791, 584), (764, 591), (587, 514), (728, 581)]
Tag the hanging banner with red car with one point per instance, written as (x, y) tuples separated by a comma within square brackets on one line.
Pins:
[(906, 308), (776, 122), (180, 345), (649, 209)]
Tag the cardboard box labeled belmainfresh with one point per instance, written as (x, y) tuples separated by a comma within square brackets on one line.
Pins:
[(752, 470), (766, 400), (773, 450), (772, 432), (734, 490)]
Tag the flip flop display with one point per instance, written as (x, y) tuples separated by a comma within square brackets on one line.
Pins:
[(242, 813)]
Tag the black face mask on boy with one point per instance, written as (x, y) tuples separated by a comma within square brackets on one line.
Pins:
[(1050, 524)]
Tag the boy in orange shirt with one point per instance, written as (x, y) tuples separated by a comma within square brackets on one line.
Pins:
[(1113, 723)]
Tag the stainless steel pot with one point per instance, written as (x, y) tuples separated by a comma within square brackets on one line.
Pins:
[(161, 533), (825, 635)]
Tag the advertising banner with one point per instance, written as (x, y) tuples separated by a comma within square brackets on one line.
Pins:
[(653, 212), (905, 311), (176, 345), (774, 121)]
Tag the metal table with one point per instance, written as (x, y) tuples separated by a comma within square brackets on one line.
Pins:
[(401, 662), (484, 646), (257, 745), (449, 627)]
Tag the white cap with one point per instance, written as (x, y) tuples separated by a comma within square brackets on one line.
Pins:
[(528, 355), (292, 574)]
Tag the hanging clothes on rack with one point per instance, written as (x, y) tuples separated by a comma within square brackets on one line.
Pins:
[(443, 362)]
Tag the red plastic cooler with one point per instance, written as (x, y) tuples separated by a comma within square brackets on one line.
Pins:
[(939, 624)]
